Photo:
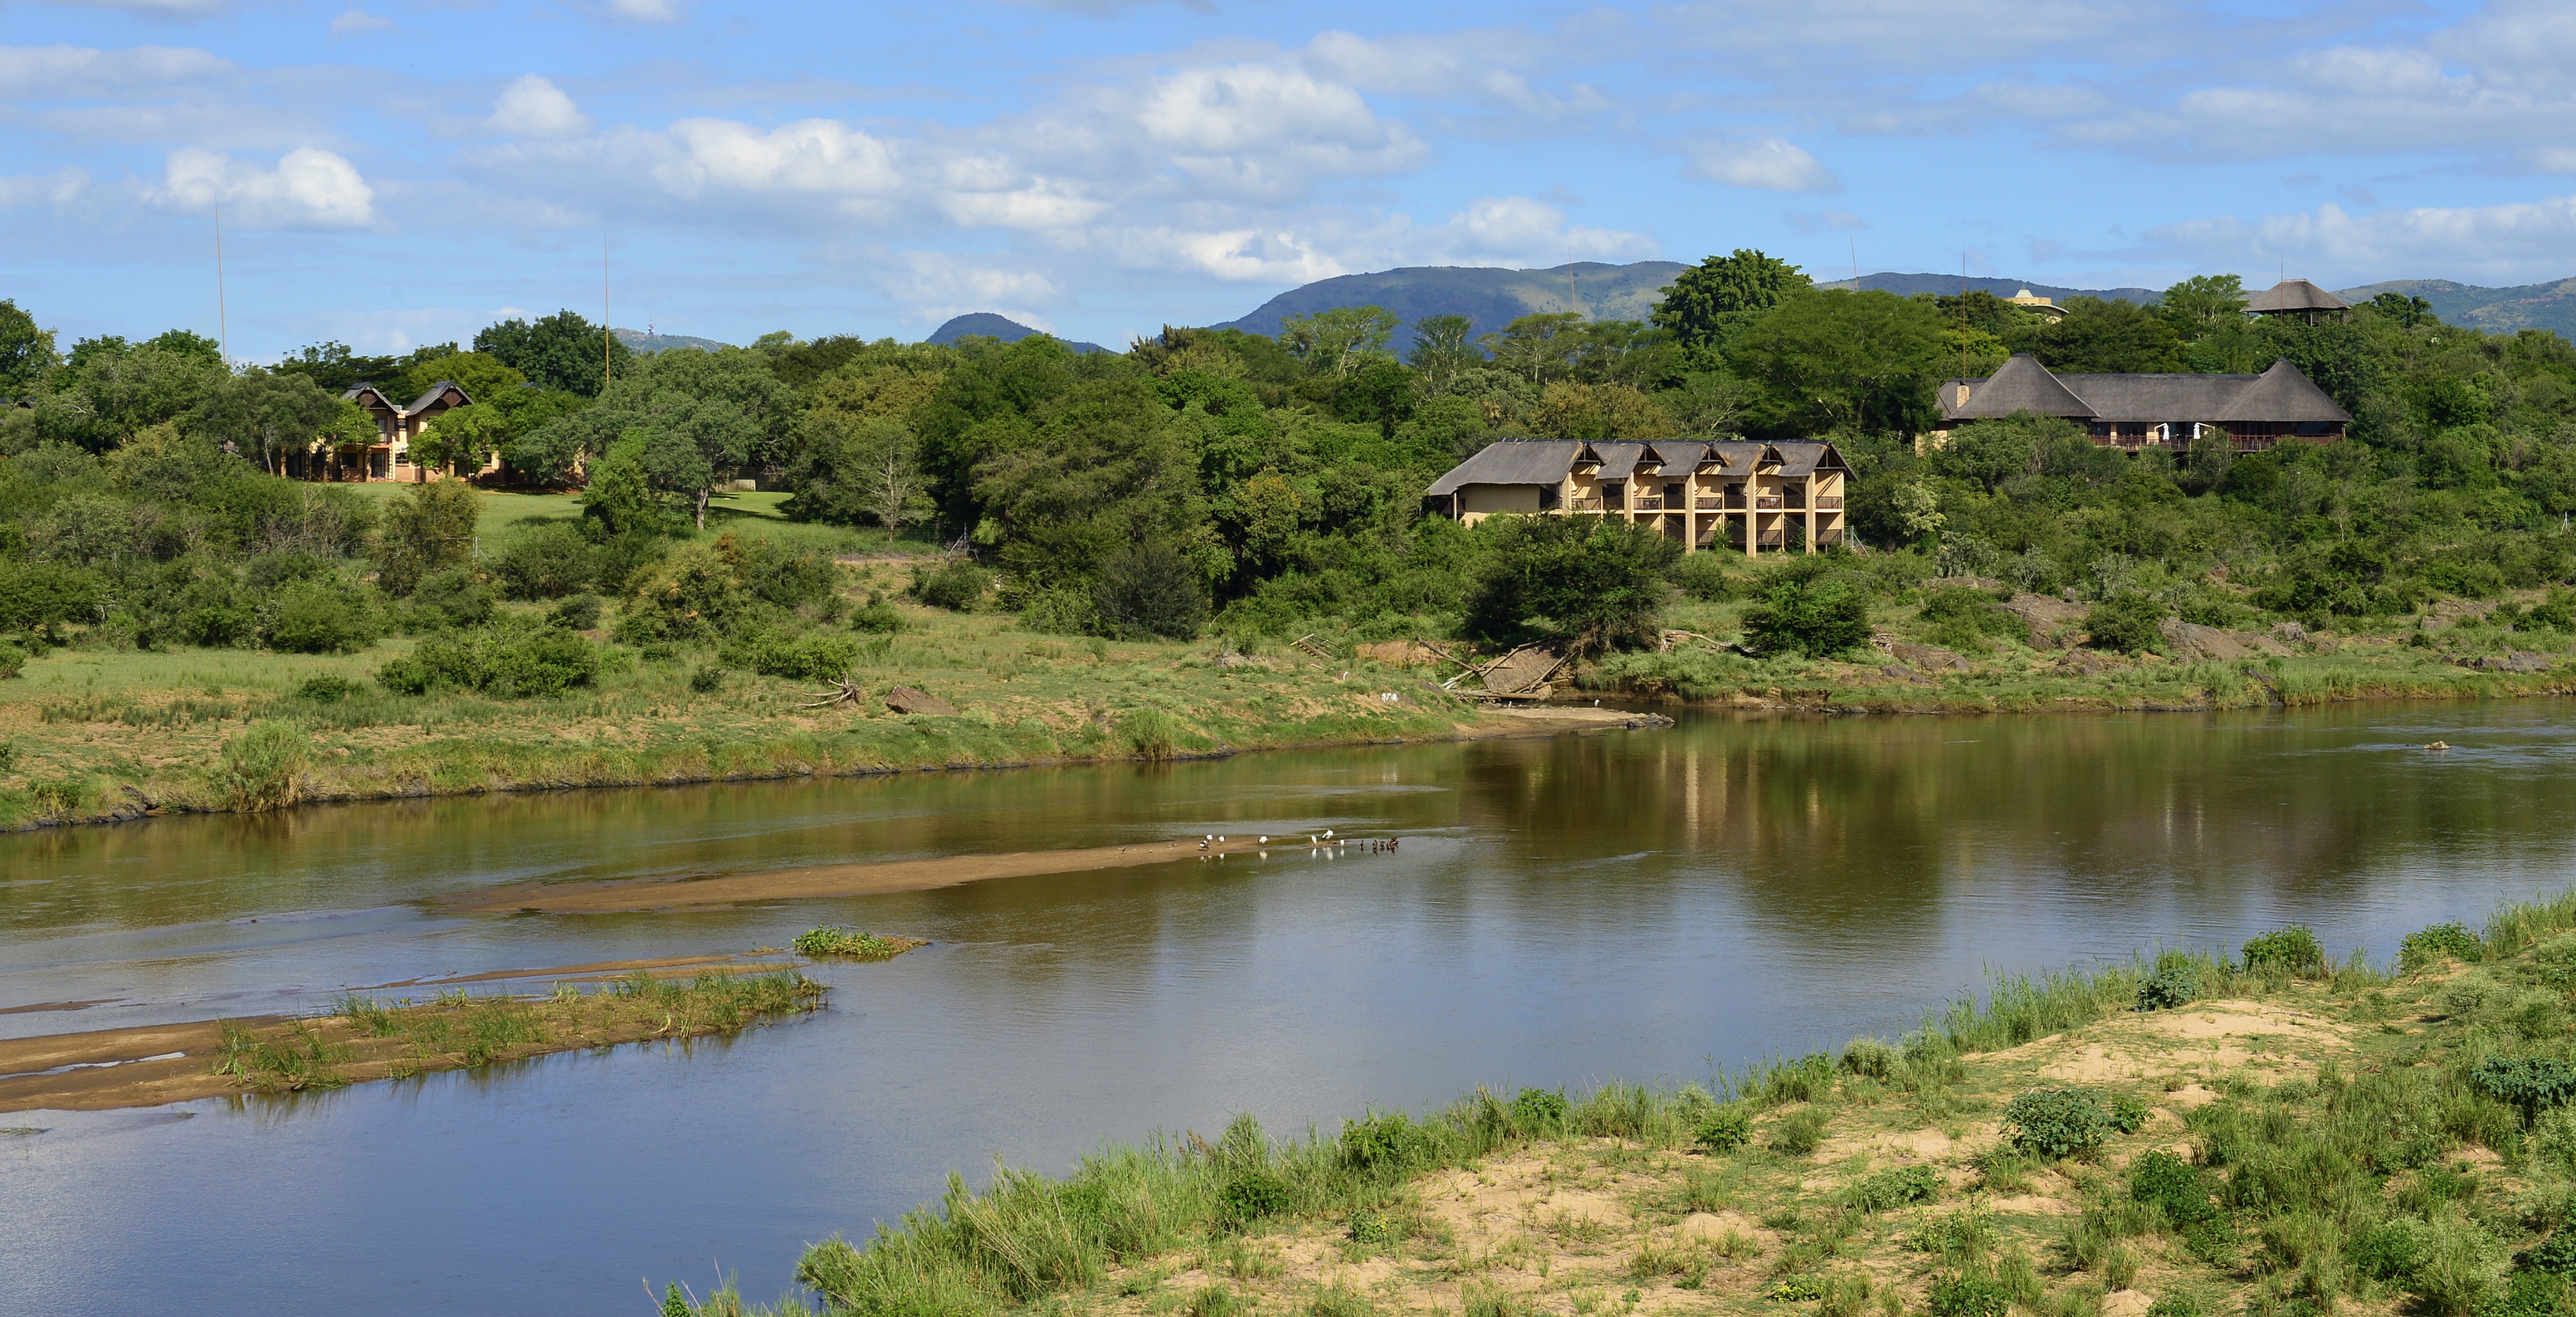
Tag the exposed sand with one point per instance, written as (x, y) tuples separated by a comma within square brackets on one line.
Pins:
[(851, 879)]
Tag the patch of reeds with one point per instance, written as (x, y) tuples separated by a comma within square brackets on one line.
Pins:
[(834, 940)]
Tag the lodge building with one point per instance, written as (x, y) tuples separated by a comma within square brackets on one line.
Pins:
[(2134, 412), (1753, 497), (389, 457)]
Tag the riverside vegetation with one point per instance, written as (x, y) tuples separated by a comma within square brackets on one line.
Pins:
[(1115, 524), (2274, 1133)]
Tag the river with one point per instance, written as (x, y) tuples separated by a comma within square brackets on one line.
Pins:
[(1645, 906)]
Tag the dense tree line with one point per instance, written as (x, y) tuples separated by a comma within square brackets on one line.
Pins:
[(1266, 485)]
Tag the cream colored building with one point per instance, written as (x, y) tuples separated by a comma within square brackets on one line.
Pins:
[(1754, 497), (389, 458)]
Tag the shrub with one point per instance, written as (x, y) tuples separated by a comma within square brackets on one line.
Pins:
[(1868, 1057), (548, 561), (525, 665), (1814, 618), (450, 599), (1253, 1195), (2175, 982), (2128, 1113), (13, 660), (1964, 618), (1150, 590), (1585, 584), (2293, 949), (706, 679), (834, 940), (405, 675), (2174, 1303), (877, 618), (798, 658), (326, 688), (2529, 1084), (2178, 1190), (2422, 949), (2055, 1123), (318, 617), (1897, 1186), (956, 585), (1538, 1111), (1703, 576), (577, 613), (1374, 1228), (2128, 623), (1723, 1130), (1386, 1142), (2387, 1252), (1802, 1133), (429, 528), (34, 594), (2554, 1256), (1968, 1296), (261, 768)]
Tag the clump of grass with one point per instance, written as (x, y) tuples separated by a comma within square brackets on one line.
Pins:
[(834, 940), (285, 1060)]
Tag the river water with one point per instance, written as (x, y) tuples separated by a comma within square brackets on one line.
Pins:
[(1645, 906)]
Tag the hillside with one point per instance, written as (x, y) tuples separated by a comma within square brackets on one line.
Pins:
[(992, 326), (1491, 297), (2496, 310), (1907, 285), (639, 341)]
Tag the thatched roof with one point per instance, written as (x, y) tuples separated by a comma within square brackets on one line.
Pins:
[(2152, 398), (1512, 462), (2283, 393), (2023, 385), (2292, 295), (433, 396), (1806, 459)]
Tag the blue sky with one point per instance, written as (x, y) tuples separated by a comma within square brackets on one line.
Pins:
[(390, 174)]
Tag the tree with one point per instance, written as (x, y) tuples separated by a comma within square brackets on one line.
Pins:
[(1584, 583), (111, 390), (862, 467), (700, 416), (483, 377), (268, 415), (560, 351), (2100, 336), (429, 529), (2399, 309), (1989, 454), (1339, 341), (1710, 301), (335, 369), (26, 352), (1574, 410), (1841, 360), (2203, 302), (1442, 347), (1539, 348), (1150, 589)]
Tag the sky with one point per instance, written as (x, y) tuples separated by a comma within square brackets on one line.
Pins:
[(389, 174)]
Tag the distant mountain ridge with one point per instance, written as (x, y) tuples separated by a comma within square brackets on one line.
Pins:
[(637, 340), (994, 326), (2549, 306), (1947, 285), (1490, 296)]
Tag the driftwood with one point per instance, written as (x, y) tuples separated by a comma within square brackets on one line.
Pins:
[(1521, 671), (1312, 647), (843, 691)]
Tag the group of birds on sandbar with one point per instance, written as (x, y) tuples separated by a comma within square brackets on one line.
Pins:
[(1315, 841)]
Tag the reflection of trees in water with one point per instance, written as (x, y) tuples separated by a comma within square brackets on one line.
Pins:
[(1877, 820)]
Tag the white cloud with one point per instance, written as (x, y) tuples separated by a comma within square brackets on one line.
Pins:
[(42, 189), (176, 9), (1766, 162), (358, 21), (644, 11), (43, 73), (2513, 243), (534, 107), (309, 189)]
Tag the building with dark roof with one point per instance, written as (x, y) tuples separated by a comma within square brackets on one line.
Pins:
[(2150, 411), (389, 458), (2298, 297), (1751, 496)]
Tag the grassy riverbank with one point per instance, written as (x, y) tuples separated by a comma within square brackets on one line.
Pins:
[(2279, 1134)]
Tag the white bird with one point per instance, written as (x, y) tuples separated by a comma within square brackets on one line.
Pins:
[(1265, 841), (1328, 832)]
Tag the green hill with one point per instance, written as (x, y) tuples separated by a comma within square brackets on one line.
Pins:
[(638, 341), (2496, 310), (1489, 296)]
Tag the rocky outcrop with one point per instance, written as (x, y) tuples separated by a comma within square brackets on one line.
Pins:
[(2189, 641), (904, 699), (2509, 661), (1927, 657), (2053, 623)]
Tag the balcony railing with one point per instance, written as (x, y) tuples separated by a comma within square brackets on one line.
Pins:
[(1648, 503), (1583, 505), (1772, 539), (1829, 503), (1766, 502), (1705, 503), (1829, 537)]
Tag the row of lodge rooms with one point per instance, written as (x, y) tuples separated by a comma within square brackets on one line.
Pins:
[(2135, 412), (1752, 497), (389, 457)]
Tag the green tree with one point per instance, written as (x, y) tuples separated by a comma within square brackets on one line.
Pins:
[(1150, 589), (1586, 584), (1832, 359), (701, 416), (483, 377), (1991, 454), (111, 391), (1339, 341), (1541, 348), (2397, 308), (1443, 346), (2106, 336), (2203, 302), (860, 468), (267, 415), (26, 352), (1712, 300), (429, 529), (1809, 615), (560, 351), (335, 369)]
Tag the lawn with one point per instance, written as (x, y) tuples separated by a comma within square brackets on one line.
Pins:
[(743, 512)]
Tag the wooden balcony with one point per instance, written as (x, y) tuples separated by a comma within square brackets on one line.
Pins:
[(1648, 503), (1766, 502), (1705, 503), (1583, 504), (1772, 539), (1829, 503)]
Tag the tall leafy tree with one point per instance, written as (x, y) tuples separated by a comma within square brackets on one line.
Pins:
[(335, 368), (1840, 360), (560, 351), (1709, 302), (2203, 302), (26, 352), (1340, 341), (2106, 336), (266, 415), (1442, 347), (700, 417)]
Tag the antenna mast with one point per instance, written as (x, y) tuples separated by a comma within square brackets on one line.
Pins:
[(606, 334), (223, 320)]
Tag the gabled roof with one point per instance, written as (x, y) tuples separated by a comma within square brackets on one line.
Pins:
[(1513, 462), (2295, 295), (2283, 393), (442, 386), (1806, 458), (1738, 456), (358, 393), (2022, 385), (1618, 459), (2153, 398)]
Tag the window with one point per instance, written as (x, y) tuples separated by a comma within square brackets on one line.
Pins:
[(1549, 496)]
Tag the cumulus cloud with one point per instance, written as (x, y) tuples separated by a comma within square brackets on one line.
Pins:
[(2512, 243), (534, 107), (1765, 162), (309, 188), (45, 73), (359, 21), (54, 189)]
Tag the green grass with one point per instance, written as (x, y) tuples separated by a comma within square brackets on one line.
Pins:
[(834, 940)]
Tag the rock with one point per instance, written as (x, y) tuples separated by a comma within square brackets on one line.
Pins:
[(904, 699), (1900, 672), (2510, 661), (2191, 641), (1231, 659), (2289, 633), (1926, 656), (2083, 663), (2053, 623)]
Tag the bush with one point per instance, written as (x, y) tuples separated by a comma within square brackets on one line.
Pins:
[(1723, 1130), (2127, 622), (707, 679), (1538, 1111), (834, 940), (1814, 618), (1388, 1142), (34, 594), (2530, 1084), (1150, 590), (1801, 1133), (2293, 949), (797, 658), (318, 617), (878, 618), (1963, 618), (451, 599), (261, 769), (956, 585), (1252, 1195), (2387, 1252), (326, 688), (1897, 1186), (2176, 1188), (1584, 584), (577, 613), (2422, 949), (2555, 1256), (2056, 1123), (548, 561), (429, 528), (2175, 982), (1703, 576), (1968, 1296), (521, 666), (13, 660)]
